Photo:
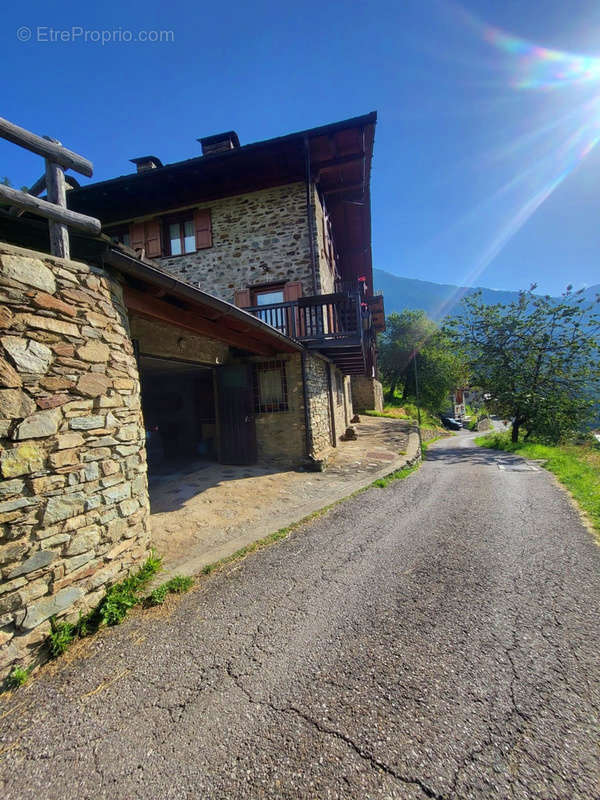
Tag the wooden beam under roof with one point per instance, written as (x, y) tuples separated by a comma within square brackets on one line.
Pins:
[(148, 306)]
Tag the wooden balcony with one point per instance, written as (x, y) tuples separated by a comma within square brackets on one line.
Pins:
[(336, 325)]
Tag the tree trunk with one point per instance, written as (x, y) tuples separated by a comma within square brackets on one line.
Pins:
[(515, 430)]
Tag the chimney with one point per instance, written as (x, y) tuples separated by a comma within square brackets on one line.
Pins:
[(220, 143), (145, 163)]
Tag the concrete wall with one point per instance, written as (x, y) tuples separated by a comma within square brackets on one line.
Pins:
[(73, 489), (258, 238), (367, 393)]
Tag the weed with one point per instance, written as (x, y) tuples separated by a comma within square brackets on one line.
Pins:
[(62, 634), (111, 610), (180, 584), (18, 677), (398, 475), (157, 596), (176, 585)]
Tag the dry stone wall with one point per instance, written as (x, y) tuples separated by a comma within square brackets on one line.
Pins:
[(73, 488)]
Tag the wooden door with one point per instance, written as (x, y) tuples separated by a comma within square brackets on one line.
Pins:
[(237, 427)]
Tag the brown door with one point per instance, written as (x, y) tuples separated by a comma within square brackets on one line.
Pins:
[(237, 429)]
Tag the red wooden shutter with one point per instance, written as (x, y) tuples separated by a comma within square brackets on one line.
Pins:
[(242, 298), (152, 238), (136, 233), (292, 291), (203, 229)]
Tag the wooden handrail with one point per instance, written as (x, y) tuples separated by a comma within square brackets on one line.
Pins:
[(50, 210), (54, 209), (51, 150)]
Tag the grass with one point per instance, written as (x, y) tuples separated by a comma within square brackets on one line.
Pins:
[(409, 412), (398, 475), (18, 677), (176, 585), (577, 467), (111, 610)]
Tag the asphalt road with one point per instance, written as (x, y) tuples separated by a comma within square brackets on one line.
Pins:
[(438, 639)]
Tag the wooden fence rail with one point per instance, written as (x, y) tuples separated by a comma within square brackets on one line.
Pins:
[(54, 209)]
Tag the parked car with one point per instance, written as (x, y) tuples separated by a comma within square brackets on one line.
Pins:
[(451, 423)]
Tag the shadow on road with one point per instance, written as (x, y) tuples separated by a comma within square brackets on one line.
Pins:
[(457, 451)]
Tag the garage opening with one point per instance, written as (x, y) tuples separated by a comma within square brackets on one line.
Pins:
[(178, 402)]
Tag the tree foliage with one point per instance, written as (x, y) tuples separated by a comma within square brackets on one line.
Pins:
[(538, 357), (412, 335)]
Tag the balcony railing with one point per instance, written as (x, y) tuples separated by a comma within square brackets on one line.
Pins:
[(322, 319)]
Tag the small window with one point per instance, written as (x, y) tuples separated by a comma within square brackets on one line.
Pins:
[(181, 237), (270, 387)]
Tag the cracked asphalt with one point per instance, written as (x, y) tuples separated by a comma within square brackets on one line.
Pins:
[(438, 639)]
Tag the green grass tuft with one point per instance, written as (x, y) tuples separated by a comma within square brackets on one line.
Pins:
[(61, 636), (180, 584), (111, 610), (577, 467), (176, 585), (398, 475), (18, 677)]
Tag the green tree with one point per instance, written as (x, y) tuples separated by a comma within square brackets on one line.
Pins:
[(537, 357), (411, 336)]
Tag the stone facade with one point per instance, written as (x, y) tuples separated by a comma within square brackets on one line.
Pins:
[(367, 393), (257, 238), (73, 489), (326, 270), (342, 408), (318, 404), (280, 435)]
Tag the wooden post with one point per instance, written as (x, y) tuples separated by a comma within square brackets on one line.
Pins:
[(57, 194)]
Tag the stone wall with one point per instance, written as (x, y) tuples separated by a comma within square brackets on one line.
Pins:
[(281, 435), (326, 277), (73, 489), (318, 404), (257, 238), (367, 393), (339, 408)]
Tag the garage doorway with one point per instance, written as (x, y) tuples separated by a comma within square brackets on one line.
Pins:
[(178, 402)]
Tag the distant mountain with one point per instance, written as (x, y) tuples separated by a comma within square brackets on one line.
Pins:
[(437, 299)]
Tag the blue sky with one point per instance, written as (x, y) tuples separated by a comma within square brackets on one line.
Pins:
[(485, 169)]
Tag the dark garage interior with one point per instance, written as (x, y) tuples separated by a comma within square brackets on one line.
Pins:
[(179, 412)]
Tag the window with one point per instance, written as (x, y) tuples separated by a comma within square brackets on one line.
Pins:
[(268, 295), (270, 387), (181, 237)]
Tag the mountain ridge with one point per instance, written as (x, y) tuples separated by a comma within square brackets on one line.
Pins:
[(438, 300)]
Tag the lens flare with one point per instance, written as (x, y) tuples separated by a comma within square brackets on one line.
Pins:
[(538, 67), (556, 96)]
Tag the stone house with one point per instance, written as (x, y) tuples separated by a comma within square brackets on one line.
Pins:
[(226, 313)]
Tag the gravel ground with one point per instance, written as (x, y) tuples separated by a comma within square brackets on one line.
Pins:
[(438, 639)]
